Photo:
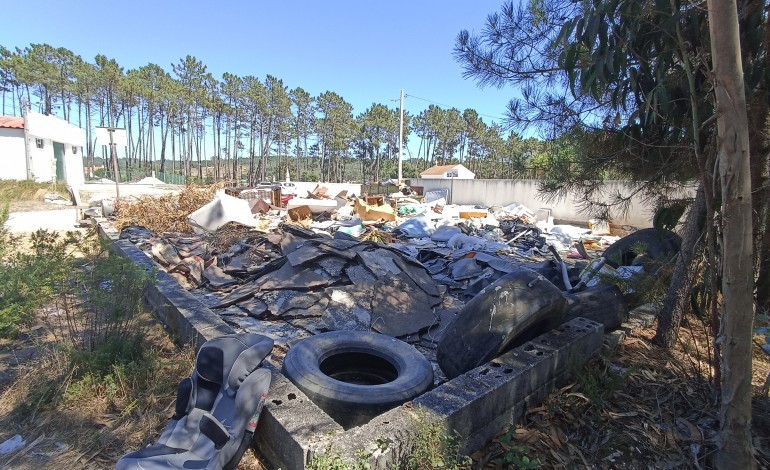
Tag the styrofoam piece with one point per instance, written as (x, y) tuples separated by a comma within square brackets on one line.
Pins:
[(223, 209)]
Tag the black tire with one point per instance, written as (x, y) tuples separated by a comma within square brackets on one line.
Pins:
[(389, 372), (658, 247), (513, 310)]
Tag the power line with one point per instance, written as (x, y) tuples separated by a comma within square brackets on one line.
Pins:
[(450, 106)]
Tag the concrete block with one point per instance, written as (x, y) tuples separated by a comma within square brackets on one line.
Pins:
[(487, 398), (477, 404), (179, 310), (292, 428)]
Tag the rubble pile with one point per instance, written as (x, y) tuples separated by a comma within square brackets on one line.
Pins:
[(399, 265), (296, 275)]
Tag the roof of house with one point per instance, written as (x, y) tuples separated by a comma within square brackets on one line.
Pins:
[(11, 122), (438, 170)]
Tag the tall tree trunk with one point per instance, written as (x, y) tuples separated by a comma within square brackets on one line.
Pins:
[(678, 294), (163, 135), (297, 152), (734, 446), (173, 148)]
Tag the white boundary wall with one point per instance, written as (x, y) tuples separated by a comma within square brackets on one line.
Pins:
[(505, 192), (525, 192)]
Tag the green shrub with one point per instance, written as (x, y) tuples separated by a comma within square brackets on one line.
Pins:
[(27, 280), (432, 446)]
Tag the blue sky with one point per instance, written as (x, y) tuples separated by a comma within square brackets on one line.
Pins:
[(366, 51)]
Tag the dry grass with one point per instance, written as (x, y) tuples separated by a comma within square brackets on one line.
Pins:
[(93, 429), (166, 213), (638, 407), (16, 191)]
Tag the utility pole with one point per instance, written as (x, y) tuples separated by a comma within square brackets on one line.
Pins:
[(27, 148), (401, 141), (115, 165)]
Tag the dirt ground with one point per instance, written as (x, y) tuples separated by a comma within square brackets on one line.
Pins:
[(635, 407), (87, 434)]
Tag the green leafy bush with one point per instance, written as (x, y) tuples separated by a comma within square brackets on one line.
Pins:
[(432, 446), (27, 280)]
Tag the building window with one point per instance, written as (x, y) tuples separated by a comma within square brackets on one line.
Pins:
[(39, 143), (452, 174), (74, 149)]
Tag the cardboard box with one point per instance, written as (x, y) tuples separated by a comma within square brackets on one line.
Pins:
[(301, 215), (370, 213), (473, 214)]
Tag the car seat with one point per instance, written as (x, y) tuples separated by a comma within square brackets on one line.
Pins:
[(217, 408)]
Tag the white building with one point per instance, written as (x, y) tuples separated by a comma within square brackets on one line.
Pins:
[(41, 148), (439, 172)]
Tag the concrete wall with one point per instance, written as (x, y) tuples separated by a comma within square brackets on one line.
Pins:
[(12, 164), (505, 192), (73, 165), (43, 162), (53, 129), (333, 188)]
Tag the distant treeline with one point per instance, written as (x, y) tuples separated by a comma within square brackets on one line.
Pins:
[(185, 115)]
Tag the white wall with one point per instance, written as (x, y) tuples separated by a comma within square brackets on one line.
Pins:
[(525, 192), (43, 162), (12, 164), (333, 188), (53, 129), (73, 165), (462, 173)]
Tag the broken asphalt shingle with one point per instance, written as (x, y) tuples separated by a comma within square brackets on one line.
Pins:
[(240, 293), (291, 277), (315, 310), (256, 308), (217, 278), (192, 268), (290, 242), (379, 262), (311, 252), (165, 253), (397, 311), (281, 301), (465, 268), (236, 265), (200, 248), (333, 265), (342, 247), (349, 308), (360, 276), (418, 274)]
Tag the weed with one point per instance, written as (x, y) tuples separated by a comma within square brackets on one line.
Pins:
[(514, 456), (332, 460), (597, 382), (432, 446), (26, 282), (12, 191)]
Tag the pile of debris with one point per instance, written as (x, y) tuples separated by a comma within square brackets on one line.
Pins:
[(401, 266), (310, 281)]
